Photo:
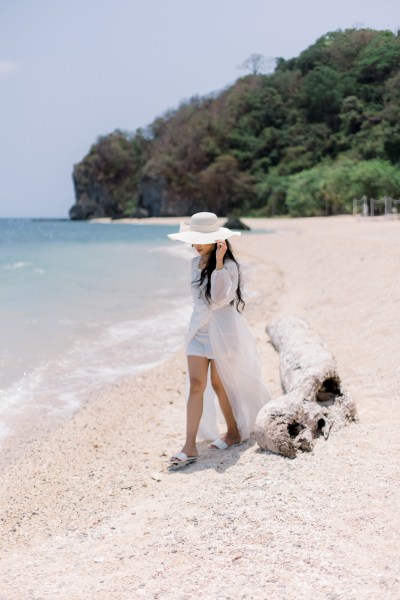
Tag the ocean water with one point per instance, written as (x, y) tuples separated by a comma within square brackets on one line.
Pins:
[(82, 305)]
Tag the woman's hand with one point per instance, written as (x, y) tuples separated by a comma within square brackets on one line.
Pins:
[(221, 250)]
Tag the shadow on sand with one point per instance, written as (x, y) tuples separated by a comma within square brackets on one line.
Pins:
[(219, 460)]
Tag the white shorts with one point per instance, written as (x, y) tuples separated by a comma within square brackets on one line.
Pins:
[(200, 345)]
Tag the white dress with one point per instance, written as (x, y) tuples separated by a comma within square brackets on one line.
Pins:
[(224, 332)]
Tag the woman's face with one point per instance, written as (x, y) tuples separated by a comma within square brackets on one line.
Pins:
[(203, 249)]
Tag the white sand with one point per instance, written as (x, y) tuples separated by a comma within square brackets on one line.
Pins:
[(90, 511)]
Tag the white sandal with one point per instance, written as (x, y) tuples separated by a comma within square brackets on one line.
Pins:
[(181, 459), (221, 445)]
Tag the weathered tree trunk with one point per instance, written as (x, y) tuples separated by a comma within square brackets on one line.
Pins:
[(315, 400)]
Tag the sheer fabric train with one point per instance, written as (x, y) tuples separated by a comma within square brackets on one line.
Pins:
[(234, 350)]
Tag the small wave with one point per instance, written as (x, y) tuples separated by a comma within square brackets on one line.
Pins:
[(182, 250), (17, 265), (58, 387)]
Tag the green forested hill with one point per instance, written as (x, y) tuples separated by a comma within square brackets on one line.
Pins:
[(304, 140)]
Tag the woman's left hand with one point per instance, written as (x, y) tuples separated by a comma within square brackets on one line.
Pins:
[(221, 251)]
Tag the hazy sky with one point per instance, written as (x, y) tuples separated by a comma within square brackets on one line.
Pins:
[(71, 70)]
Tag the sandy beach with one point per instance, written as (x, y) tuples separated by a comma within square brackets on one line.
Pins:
[(90, 511)]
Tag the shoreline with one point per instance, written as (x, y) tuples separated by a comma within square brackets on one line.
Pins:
[(94, 512), (251, 221), (65, 340)]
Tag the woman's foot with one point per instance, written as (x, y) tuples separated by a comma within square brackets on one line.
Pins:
[(190, 451), (186, 456), (230, 439), (181, 460)]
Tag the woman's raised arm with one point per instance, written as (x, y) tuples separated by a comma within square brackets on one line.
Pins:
[(224, 282)]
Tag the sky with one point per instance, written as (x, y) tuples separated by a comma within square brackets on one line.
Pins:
[(71, 70)]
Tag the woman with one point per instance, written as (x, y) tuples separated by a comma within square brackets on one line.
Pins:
[(219, 346)]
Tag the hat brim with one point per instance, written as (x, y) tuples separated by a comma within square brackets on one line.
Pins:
[(196, 237)]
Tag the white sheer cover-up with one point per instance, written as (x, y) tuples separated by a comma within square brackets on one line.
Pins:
[(234, 350)]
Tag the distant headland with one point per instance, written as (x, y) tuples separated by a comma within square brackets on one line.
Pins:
[(322, 129)]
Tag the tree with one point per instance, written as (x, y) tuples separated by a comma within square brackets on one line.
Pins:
[(256, 64), (321, 94), (379, 58)]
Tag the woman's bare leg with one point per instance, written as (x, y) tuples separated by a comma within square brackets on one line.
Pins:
[(198, 368), (232, 436)]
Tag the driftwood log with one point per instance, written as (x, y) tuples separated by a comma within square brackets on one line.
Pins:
[(315, 399)]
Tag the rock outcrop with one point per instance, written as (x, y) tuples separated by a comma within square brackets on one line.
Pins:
[(159, 201), (93, 199), (236, 224)]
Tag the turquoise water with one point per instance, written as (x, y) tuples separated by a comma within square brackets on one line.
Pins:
[(83, 304)]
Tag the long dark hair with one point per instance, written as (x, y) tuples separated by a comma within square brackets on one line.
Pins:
[(205, 275)]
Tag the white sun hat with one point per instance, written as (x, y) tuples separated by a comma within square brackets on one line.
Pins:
[(202, 229)]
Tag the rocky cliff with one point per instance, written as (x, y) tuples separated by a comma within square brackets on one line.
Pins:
[(106, 180), (93, 199), (158, 200)]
